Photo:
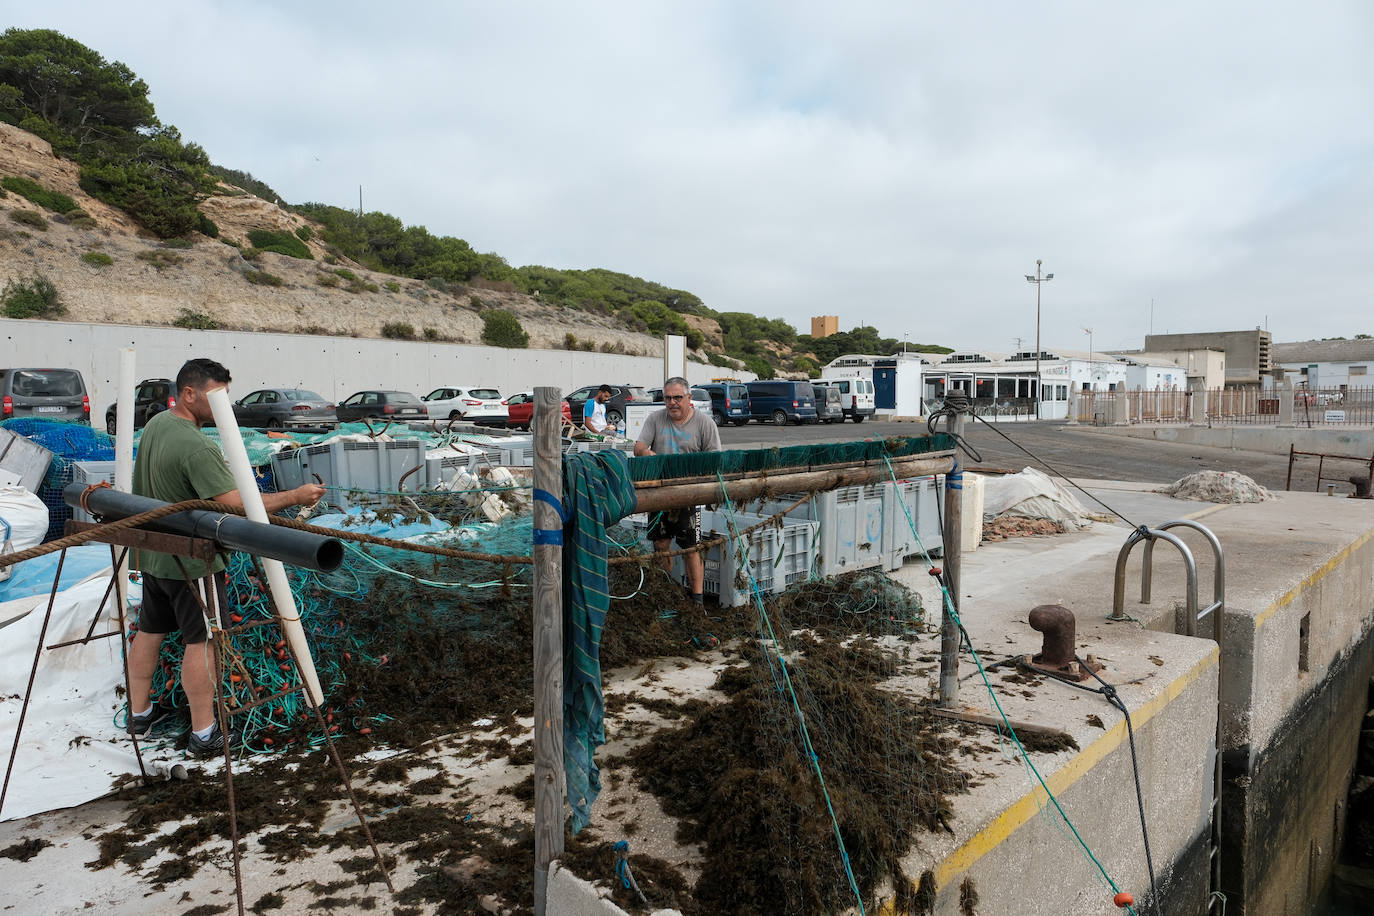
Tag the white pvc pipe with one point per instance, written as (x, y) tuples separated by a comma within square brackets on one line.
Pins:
[(287, 616), (124, 460)]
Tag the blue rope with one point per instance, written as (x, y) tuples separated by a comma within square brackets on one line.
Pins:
[(949, 607), (754, 589)]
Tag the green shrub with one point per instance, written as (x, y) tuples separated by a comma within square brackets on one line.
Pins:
[(398, 330), (361, 286), (176, 243), (331, 259), (262, 278), (438, 283), (345, 273), (97, 259), (30, 218), (500, 328), (570, 341), (281, 243), (32, 190), (328, 280), (305, 233), (392, 286), (231, 243), (159, 258), (433, 334), (250, 253), (476, 303), (34, 297), (206, 226), (196, 321)]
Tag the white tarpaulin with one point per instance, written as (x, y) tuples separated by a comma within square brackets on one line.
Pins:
[(1032, 494), (71, 750)]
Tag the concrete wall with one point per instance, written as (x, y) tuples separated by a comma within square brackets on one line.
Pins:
[(1242, 348), (333, 366), (1275, 440)]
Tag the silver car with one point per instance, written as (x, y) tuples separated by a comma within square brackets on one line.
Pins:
[(276, 407)]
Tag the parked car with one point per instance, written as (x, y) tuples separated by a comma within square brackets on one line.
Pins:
[(701, 399), (275, 407), (856, 396), (151, 397), (829, 407), (464, 402), (615, 407), (729, 402), (781, 401), (380, 405), (520, 408), (56, 394)]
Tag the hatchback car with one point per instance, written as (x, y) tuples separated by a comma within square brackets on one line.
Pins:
[(151, 397), (276, 407), (380, 405), (520, 410), (55, 394), (615, 407), (482, 406)]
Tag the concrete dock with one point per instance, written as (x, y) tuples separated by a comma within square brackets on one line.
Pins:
[(1292, 676)]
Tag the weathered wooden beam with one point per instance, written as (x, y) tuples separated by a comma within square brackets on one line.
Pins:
[(758, 484), (548, 641)]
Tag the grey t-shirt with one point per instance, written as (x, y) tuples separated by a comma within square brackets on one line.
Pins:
[(697, 433)]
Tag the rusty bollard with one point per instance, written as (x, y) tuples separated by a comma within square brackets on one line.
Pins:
[(1057, 626)]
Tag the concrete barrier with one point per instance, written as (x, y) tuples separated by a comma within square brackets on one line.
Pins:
[(1274, 440)]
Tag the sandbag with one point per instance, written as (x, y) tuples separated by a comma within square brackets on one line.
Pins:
[(23, 522)]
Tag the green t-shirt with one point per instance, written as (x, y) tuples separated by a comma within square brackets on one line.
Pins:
[(175, 463)]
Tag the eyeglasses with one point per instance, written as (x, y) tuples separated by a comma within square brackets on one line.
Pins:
[(675, 397)]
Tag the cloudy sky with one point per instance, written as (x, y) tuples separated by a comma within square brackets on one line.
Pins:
[(900, 164)]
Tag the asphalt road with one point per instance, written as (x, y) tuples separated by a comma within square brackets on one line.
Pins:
[(1073, 451)]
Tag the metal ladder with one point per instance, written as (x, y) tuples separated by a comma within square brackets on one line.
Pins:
[(1191, 616)]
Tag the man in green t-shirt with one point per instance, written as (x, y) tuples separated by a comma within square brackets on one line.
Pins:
[(176, 463)]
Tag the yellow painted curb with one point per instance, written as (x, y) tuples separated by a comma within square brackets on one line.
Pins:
[(1316, 576), (1030, 804)]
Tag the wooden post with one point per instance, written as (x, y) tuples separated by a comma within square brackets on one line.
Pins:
[(953, 541), (549, 785)]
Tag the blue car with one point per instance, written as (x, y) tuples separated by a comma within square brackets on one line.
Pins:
[(729, 402), (781, 401)]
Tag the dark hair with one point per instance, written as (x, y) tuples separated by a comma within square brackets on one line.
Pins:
[(196, 373), (606, 388)]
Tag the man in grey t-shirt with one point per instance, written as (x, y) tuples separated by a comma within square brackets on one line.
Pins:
[(676, 429)]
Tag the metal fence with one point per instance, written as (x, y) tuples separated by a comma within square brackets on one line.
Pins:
[(1250, 406)]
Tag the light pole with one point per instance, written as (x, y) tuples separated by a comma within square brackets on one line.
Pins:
[(1091, 364), (1037, 280)]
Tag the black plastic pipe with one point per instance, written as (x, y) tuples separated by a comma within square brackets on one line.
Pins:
[(296, 548)]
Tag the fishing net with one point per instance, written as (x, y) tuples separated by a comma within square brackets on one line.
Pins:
[(69, 443)]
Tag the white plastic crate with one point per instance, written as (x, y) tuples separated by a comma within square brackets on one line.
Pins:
[(921, 495), (777, 556), (88, 473), (351, 470), (853, 526)]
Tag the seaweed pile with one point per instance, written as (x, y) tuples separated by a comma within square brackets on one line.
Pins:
[(416, 664)]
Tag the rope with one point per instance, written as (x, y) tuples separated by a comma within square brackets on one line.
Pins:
[(992, 694)]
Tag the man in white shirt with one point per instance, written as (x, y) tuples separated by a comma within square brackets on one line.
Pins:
[(594, 411)]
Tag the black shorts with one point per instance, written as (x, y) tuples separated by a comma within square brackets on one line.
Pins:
[(169, 604), (684, 525)]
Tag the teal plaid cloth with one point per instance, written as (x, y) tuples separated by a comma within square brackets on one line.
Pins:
[(597, 493)]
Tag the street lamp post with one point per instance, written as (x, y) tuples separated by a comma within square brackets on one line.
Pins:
[(1038, 280), (1091, 362)]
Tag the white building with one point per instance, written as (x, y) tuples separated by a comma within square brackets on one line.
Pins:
[(1327, 363)]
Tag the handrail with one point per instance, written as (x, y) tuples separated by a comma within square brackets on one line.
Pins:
[(1218, 604), (1189, 565)]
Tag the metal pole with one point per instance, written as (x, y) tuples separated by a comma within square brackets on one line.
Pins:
[(549, 788), (1037, 338), (953, 546)]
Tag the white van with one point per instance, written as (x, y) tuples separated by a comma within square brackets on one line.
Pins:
[(856, 396)]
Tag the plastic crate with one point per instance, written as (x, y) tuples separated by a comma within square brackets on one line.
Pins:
[(88, 473), (921, 495), (777, 557), (351, 471), (853, 526)]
